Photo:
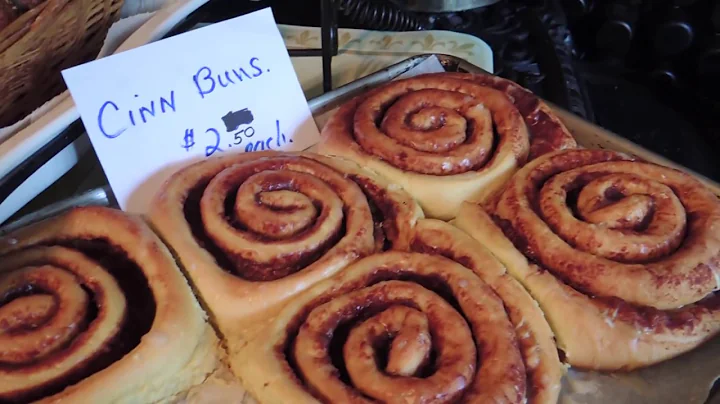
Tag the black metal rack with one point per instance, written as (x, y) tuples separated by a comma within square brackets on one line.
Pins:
[(376, 16)]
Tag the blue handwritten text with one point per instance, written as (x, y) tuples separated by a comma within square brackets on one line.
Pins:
[(244, 135), (206, 81), (109, 110)]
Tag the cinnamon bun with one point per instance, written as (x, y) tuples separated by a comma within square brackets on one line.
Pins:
[(252, 230), (446, 137), (444, 324), (94, 309), (623, 256)]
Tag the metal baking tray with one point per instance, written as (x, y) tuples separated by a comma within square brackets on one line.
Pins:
[(689, 378)]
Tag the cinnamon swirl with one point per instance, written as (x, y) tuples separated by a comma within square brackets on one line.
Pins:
[(253, 230), (623, 256), (446, 137), (94, 309), (409, 327)]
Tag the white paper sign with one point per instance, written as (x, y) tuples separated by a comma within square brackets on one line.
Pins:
[(229, 87)]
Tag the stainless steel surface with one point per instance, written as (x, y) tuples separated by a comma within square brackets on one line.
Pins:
[(94, 197), (332, 99), (687, 379), (439, 6)]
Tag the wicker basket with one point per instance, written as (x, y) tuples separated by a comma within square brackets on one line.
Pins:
[(37, 46)]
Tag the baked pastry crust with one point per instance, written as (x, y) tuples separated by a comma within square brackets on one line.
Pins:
[(535, 339), (133, 333), (621, 255), (498, 349), (433, 135), (547, 132), (297, 219)]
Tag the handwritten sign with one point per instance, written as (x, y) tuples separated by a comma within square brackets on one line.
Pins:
[(225, 88)]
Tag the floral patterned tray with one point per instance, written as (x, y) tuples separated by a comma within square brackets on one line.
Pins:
[(361, 52)]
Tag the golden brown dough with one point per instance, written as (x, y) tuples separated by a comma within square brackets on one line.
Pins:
[(547, 132), (621, 255), (446, 137), (441, 332), (252, 230), (535, 339), (94, 309)]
